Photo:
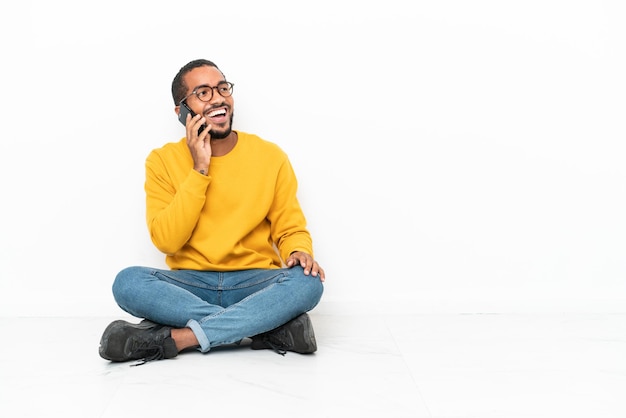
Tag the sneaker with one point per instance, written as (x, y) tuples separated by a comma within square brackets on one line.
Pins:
[(146, 341), (296, 335)]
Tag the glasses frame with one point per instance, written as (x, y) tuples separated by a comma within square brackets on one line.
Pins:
[(204, 86)]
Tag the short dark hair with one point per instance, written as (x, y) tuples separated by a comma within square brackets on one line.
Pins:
[(179, 88)]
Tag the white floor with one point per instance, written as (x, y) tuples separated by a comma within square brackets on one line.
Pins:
[(480, 366)]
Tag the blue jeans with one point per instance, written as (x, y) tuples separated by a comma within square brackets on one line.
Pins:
[(219, 307)]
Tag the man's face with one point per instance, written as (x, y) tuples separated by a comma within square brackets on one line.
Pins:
[(218, 111)]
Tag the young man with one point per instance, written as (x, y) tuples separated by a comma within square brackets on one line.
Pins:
[(221, 205)]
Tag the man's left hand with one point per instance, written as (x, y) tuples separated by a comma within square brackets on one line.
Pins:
[(307, 262)]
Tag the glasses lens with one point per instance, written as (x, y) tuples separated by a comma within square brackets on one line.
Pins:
[(204, 93), (225, 89)]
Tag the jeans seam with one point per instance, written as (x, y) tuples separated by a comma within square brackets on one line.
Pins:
[(220, 286)]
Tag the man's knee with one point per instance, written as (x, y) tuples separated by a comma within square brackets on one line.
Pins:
[(126, 281), (309, 287)]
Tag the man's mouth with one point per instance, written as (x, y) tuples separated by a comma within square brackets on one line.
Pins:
[(217, 113)]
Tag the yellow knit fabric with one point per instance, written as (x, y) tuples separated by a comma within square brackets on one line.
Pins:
[(232, 219)]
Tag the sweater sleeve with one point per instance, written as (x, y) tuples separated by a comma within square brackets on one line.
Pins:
[(172, 214), (288, 223)]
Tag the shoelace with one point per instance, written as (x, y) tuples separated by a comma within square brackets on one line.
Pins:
[(277, 349), (276, 341), (154, 348)]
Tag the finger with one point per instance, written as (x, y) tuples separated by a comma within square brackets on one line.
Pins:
[(307, 264), (317, 270), (197, 123), (192, 126), (187, 130), (189, 126), (205, 135)]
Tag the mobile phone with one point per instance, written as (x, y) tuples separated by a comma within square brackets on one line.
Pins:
[(182, 115)]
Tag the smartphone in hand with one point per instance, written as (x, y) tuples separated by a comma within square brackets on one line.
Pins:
[(182, 116)]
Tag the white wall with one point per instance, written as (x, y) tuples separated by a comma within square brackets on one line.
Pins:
[(453, 156)]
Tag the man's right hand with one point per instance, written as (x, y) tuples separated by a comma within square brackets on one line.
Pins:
[(199, 144)]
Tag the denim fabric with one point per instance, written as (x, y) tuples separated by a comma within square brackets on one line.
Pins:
[(219, 307)]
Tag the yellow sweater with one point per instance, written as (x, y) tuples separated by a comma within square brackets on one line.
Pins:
[(232, 219)]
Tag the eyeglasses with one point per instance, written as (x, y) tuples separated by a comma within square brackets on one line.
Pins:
[(205, 93)]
